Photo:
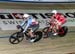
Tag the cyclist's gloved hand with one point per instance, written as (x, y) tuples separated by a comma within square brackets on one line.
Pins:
[(18, 26)]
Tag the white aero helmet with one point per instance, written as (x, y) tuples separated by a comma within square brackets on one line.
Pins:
[(26, 15), (54, 11)]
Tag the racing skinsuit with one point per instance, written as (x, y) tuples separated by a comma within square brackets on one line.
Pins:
[(59, 18), (31, 23)]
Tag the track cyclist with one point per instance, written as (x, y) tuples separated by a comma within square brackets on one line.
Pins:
[(58, 19), (31, 23)]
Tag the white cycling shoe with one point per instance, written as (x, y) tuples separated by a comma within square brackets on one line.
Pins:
[(55, 34), (32, 40)]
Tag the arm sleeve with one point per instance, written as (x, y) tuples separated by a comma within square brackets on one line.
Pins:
[(28, 24), (23, 23)]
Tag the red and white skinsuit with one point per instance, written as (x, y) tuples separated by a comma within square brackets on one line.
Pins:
[(58, 19)]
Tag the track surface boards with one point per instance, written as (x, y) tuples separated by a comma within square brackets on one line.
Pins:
[(57, 45)]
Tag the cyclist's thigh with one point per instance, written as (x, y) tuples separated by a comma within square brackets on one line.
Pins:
[(35, 28)]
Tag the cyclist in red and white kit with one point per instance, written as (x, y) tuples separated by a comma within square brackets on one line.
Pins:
[(58, 19)]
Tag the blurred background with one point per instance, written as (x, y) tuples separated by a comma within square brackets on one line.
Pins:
[(37, 6), (41, 10)]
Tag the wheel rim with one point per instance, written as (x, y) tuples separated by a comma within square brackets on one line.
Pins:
[(61, 31), (16, 38)]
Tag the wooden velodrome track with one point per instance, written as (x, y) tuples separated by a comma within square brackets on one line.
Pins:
[(57, 45)]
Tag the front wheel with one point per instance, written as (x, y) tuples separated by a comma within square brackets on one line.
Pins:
[(46, 32), (15, 38)]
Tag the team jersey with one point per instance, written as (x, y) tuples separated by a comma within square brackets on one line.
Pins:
[(31, 22), (59, 18)]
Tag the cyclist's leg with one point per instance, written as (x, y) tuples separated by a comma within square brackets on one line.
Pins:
[(30, 32), (33, 29), (58, 26), (55, 28)]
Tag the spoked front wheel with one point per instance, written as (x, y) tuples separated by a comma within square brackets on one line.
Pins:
[(15, 38)]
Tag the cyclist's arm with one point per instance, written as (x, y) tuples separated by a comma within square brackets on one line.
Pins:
[(23, 23), (28, 24), (51, 19)]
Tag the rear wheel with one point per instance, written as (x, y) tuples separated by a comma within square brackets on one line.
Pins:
[(15, 38), (38, 35), (63, 31)]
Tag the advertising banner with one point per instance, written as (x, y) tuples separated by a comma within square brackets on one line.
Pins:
[(9, 19)]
